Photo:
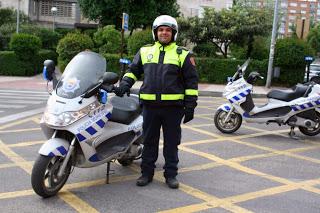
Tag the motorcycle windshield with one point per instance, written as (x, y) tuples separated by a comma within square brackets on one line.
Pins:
[(81, 74)]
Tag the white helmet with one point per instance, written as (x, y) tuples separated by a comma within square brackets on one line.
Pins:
[(165, 20)]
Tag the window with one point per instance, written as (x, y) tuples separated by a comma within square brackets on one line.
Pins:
[(292, 17), (293, 4), (303, 5), (64, 9), (303, 12), (293, 11)]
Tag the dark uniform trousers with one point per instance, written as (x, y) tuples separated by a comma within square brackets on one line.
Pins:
[(169, 118)]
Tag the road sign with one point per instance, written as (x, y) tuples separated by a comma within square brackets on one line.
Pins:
[(308, 58), (125, 21)]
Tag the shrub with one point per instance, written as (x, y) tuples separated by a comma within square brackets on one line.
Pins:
[(48, 37), (139, 39), (6, 30), (290, 53), (108, 40), (13, 66), (238, 52), (25, 46), (205, 50), (71, 45)]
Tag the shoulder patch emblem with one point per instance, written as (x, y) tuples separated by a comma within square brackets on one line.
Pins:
[(149, 57)]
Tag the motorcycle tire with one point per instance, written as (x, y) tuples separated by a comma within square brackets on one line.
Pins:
[(44, 178), (312, 131), (231, 126)]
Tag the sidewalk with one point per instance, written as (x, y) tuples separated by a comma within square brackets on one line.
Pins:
[(37, 83)]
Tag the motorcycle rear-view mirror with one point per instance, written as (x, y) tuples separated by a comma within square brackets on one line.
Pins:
[(48, 69), (110, 78)]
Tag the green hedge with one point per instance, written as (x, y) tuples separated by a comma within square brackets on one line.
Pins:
[(11, 65)]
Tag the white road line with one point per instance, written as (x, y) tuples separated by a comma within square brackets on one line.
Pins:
[(20, 115), (22, 97), (19, 102), (5, 106), (30, 95), (23, 91)]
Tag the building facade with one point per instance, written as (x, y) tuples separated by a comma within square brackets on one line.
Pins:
[(298, 16), (67, 15), (189, 8)]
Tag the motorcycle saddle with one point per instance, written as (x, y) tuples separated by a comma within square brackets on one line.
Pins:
[(125, 109), (288, 95)]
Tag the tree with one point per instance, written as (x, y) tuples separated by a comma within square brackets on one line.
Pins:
[(141, 12), (236, 25), (108, 39), (313, 38), (8, 15)]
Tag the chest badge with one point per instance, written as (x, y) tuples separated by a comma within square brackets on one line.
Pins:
[(149, 57)]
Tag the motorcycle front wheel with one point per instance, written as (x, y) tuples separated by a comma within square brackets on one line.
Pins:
[(44, 177), (312, 131), (232, 125)]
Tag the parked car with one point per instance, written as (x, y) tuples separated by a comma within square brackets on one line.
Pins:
[(314, 71)]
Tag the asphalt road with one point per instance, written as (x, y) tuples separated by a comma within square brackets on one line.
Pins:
[(257, 169)]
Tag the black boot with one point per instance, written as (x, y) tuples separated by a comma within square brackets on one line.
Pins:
[(172, 182), (143, 180)]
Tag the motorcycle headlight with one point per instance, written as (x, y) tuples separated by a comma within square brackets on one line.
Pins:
[(67, 118)]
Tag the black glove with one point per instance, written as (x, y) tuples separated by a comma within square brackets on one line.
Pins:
[(121, 90), (188, 115)]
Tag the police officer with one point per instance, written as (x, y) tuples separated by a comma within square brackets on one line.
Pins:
[(169, 92)]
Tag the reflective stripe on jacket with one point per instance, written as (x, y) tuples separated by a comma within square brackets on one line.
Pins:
[(169, 76)]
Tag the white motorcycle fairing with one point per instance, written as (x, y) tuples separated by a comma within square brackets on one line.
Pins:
[(55, 147)]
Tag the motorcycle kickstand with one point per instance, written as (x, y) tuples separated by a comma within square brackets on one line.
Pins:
[(108, 173), (292, 134)]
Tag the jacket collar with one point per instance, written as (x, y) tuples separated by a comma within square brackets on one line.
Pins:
[(165, 47)]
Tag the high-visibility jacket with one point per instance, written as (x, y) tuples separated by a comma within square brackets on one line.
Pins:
[(170, 77)]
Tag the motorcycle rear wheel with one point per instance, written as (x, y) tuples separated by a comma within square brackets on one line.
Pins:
[(229, 127), (44, 177), (312, 131)]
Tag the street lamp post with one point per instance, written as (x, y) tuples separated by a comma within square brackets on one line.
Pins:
[(273, 43), (54, 11), (18, 17)]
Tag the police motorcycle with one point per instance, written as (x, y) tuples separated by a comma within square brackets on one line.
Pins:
[(298, 107), (85, 123)]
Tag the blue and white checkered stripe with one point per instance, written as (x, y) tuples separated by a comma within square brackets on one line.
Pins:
[(91, 130), (59, 151), (240, 96), (305, 106)]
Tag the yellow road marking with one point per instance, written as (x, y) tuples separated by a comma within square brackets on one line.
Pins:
[(17, 122), (201, 125), (258, 146), (75, 202), (68, 197), (36, 120), (19, 130), (23, 144), (195, 192), (22, 193)]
